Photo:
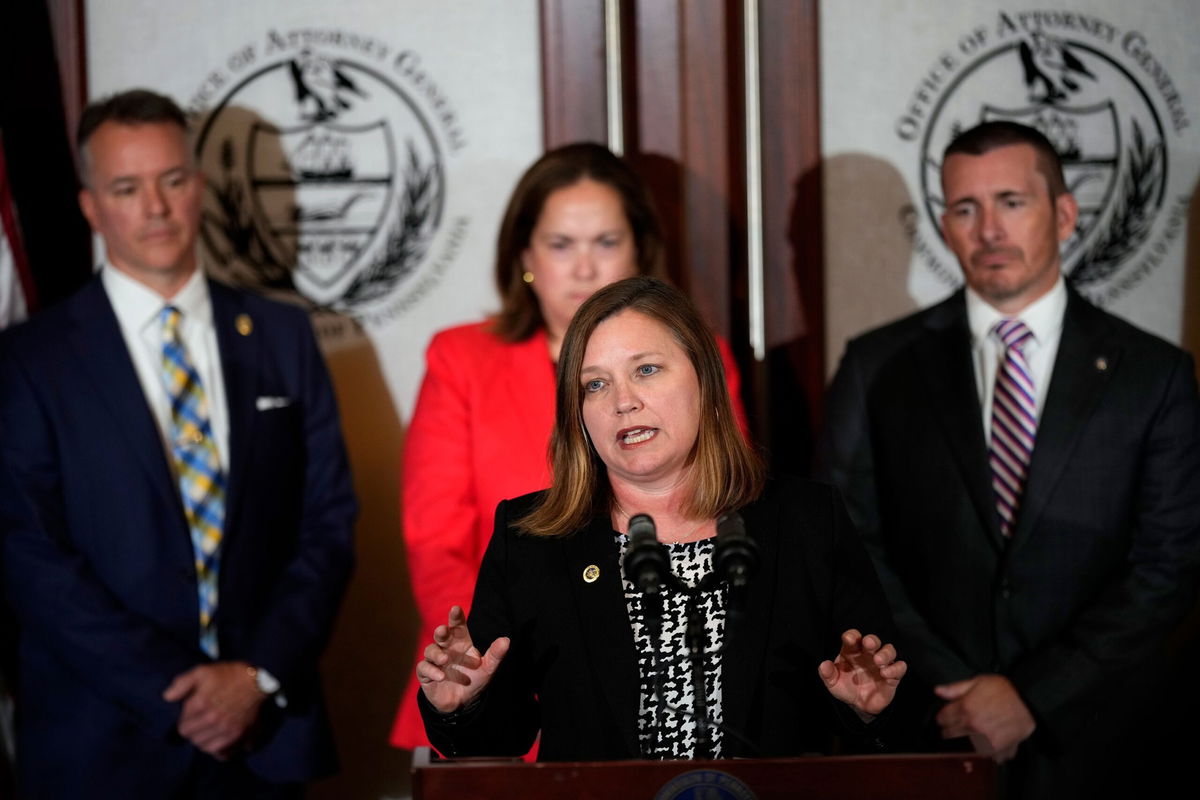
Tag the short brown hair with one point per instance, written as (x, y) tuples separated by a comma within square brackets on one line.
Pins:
[(994, 134), (131, 107), (728, 474), (520, 316)]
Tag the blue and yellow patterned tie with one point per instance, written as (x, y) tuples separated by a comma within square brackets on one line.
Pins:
[(201, 481)]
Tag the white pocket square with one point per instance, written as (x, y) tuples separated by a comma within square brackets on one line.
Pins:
[(266, 403)]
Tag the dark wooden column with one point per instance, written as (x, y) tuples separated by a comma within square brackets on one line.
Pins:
[(573, 72), (685, 136), (793, 386)]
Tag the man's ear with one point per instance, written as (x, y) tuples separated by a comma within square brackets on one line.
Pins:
[(87, 204), (1066, 214)]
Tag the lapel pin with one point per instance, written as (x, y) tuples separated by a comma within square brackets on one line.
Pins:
[(1101, 364), (591, 573), (243, 324)]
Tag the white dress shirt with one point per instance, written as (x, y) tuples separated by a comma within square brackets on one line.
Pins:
[(137, 308), (1043, 317)]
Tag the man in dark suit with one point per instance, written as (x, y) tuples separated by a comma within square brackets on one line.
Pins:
[(1025, 469), (175, 503)]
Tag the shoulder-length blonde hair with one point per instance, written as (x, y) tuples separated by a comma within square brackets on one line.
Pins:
[(520, 315), (726, 472)]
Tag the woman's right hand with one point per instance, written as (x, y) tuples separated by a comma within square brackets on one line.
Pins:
[(453, 672)]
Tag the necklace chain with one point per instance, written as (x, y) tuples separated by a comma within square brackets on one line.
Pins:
[(688, 535)]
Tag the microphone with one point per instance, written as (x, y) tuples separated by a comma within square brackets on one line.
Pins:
[(647, 564), (648, 568), (735, 556), (735, 559)]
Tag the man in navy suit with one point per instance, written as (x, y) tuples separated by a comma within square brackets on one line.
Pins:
[(155, 662), (1025, 469)]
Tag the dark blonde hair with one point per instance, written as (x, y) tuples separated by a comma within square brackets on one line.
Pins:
[(727, 473), (520, 316)]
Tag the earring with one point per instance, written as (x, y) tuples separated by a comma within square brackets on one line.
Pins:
[(527, 276)]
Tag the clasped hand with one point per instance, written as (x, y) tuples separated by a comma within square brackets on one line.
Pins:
[(453, 672), (989, 709), (865, 673), (220, 705)]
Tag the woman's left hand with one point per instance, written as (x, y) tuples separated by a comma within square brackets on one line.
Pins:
[(865, 673)]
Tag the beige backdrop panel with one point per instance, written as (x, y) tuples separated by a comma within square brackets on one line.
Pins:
[(1113, 84)]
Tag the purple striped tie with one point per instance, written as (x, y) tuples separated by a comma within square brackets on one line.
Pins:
[(1014, 422)]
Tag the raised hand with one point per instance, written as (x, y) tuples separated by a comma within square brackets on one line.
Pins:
[(865, 673), (453, 672)]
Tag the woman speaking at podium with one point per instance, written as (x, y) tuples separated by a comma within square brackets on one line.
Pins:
[(579, 219), (675, 636)]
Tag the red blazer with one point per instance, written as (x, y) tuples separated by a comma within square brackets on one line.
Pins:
[(479, 434)]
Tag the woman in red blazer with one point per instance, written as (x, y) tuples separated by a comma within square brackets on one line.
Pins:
[(579, 219)]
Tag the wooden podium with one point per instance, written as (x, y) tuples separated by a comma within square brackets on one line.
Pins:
[(894, 777)]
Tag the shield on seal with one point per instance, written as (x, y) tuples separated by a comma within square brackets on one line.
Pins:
[(320, 192), (1088, 141)]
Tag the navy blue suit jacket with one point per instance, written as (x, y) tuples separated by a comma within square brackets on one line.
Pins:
[(97, 557)]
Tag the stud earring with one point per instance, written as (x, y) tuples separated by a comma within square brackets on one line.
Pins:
[(527, 276)]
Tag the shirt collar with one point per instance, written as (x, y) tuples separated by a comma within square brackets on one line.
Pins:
[(138, 306), (1043, 316)]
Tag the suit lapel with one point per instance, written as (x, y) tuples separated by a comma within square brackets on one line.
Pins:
[(1082, 368), (239, 344), (96, 343), (606, 633), (947, 374)]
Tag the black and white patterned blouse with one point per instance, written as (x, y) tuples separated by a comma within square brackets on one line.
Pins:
[(667, 726)]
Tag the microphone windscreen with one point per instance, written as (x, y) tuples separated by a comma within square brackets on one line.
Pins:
[(736, 554), (731, 526), (641, 529), (647, 564)]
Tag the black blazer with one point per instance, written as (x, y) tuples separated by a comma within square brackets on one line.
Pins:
[(98, 561), (572, 668), (1103, 558)]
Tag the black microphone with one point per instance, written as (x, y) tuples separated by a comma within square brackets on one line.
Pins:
[(735, 555), (648, 568), (647, 563)]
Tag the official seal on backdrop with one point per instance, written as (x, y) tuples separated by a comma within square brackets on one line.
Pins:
[(1106, 104), (326, 164)]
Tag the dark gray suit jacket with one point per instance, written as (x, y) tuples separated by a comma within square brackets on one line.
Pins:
[(1103, 560)]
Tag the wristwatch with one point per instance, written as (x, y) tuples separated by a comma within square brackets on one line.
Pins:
[(268, 684)]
